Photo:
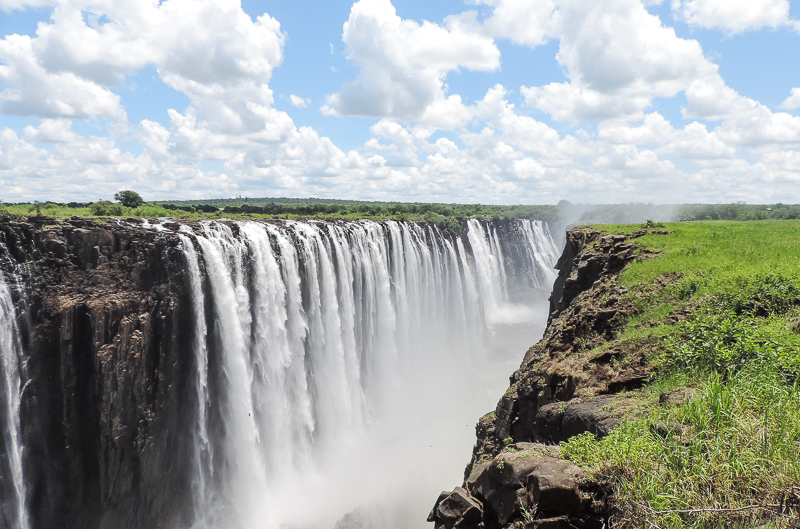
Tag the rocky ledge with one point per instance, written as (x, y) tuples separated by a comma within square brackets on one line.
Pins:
[(516, 478)]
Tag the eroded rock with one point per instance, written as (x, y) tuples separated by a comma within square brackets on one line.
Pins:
[(527, 483), (559, 421)]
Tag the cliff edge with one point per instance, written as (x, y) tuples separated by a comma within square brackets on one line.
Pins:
[(516, 477), (99, 309)]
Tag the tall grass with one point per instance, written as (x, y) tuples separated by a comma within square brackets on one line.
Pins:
[(729, 457)]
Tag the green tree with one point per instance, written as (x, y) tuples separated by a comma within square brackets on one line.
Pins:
[(129, 199)]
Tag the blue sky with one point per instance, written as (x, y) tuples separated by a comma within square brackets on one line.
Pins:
[(493, 101)]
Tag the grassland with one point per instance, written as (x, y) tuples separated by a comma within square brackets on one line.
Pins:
[(729, 456)]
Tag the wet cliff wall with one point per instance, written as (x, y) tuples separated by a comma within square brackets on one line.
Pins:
[(101, 318)]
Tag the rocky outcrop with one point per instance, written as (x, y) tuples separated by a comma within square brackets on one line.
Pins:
[(99, 306), (567, 385), (526, 486)]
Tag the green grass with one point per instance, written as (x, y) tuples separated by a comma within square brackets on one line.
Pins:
[(737, 444), (719, 248)]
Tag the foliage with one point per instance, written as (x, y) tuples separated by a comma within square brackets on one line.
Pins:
[(726, 343), (129, 199), (738, 211), (650, 223), (104, 208)]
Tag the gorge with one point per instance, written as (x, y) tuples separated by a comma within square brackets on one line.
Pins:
[(222, 374)]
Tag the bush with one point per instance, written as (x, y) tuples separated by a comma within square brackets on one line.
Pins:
[(763, 295), (722, 343), (104, 208)]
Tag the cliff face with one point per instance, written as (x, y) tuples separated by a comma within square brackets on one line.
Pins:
[(100, 314), (516, 478)]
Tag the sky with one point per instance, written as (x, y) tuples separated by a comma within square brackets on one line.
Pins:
[(487, 101)]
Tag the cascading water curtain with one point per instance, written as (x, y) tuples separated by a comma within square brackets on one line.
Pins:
[(12, 487), (311, 327), (312, 323)]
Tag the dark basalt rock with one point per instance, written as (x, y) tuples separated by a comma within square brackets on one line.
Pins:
[(526, 485), (557, 393), (457, 509), (106, 377), (558, 422)]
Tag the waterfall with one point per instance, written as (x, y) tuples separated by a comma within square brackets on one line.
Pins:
[(307, 331), (13, 513), (330, 363)]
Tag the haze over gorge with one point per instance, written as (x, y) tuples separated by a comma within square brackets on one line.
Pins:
[(249, 374)]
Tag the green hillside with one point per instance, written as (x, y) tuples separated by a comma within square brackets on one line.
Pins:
[(722, 301)]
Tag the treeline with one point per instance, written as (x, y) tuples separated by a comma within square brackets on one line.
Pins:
[(737, 211), (396, 209), (447, 215)]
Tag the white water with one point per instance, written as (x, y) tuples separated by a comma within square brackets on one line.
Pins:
[(12, 512), (345, 364)]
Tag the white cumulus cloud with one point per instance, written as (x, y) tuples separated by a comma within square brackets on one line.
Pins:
[(32, 90), (733, 16), (404, 63), (298, 101), (793, 101), (618, 57)]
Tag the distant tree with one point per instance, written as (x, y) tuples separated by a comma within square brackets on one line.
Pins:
[(129, 199)]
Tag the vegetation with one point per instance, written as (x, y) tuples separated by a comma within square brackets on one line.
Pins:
[(130, 204), (129, 199), (729, 456), (447, 216)]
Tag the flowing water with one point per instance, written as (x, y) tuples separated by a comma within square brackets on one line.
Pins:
[(339, 357), (12, 489), (339, 367)]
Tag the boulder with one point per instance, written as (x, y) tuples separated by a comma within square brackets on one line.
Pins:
[(527, 481), (457, 509), (559, 421)]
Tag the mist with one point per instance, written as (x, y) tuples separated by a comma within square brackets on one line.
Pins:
[(343, 388)]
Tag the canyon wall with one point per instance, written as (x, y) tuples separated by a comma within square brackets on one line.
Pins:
[(516, 478), (166, 375)]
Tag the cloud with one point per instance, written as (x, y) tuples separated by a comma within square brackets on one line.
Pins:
[(31, 90), (521, 21), (298, 101), (211, 51), (425, 143), (618, 57), (403, 63), (733, 16), (793, 101), (11, 5)]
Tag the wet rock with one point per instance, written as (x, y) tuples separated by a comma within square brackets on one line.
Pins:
[(107, 373), (457, 509)]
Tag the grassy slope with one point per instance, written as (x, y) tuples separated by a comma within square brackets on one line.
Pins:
[(736, 443)]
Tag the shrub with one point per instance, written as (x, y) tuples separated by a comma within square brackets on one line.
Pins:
[(104, 208), (763, 295)]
